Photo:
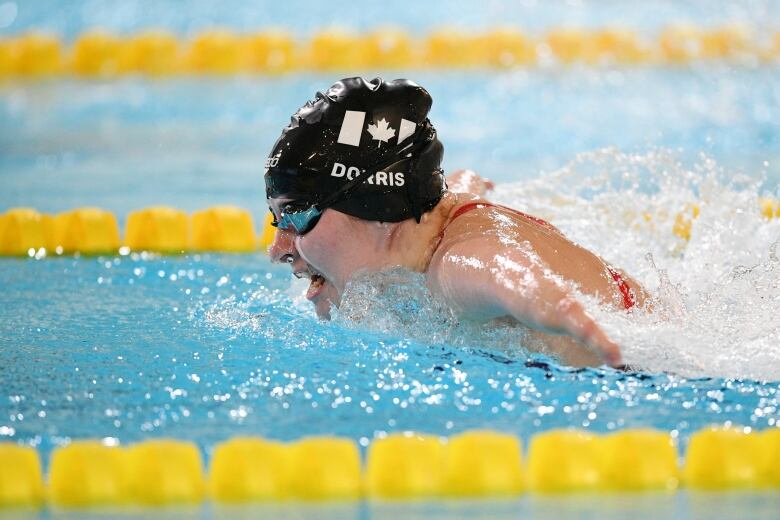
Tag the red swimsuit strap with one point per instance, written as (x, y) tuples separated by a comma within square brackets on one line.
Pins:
[(629, 300), (466, 208), (478, 205)]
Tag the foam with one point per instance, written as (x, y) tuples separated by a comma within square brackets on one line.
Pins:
[(716, 297)]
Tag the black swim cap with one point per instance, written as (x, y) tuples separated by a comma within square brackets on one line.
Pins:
[(365, 148)]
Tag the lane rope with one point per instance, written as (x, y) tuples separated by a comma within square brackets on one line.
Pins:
[(478, 463), (221, 52)]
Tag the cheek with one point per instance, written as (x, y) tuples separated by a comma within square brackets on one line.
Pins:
[(327, 250), (312, 250), (317, 249)]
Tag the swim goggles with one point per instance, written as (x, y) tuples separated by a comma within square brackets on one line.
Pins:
[(298, 217)]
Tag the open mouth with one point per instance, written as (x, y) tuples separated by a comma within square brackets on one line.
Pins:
[(317, 282)]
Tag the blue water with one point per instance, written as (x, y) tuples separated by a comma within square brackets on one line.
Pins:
[(131, 348), (205, 347), (194, 143), (72, 17)]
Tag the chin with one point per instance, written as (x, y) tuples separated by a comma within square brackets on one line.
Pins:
[(326, 301), (322, 307)]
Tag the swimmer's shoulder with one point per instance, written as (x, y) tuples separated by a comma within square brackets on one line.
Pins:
[(470, 211), (465, 205), (473, 228), (466, 229)]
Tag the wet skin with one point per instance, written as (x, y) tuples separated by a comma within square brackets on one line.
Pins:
[(489, 263)]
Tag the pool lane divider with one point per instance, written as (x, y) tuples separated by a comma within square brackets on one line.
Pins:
[(399, 466), (159, 229), (165, 230), (221, 52)]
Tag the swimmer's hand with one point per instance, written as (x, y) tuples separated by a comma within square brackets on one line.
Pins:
[(581, 325), (483, 278), (468, 181)]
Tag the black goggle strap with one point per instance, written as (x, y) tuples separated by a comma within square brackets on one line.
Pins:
[(275, 223)]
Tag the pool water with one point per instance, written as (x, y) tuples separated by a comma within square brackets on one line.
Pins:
[(302, 19), (205, 347)]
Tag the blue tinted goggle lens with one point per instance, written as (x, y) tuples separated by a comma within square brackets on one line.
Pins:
[(300, 222)]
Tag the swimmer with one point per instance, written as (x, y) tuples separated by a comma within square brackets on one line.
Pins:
[(354, 185)]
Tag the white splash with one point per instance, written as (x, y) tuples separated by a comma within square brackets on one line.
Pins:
[(716, 297), (397, 303)]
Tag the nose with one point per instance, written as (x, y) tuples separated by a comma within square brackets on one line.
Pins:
[(282, 249)]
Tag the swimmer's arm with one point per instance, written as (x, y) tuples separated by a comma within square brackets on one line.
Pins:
[(468, 181), (482, 277)]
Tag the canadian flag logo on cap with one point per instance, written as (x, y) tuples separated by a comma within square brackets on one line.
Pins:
[(352, 129)]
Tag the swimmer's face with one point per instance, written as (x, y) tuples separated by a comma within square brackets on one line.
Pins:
[(329, 254)]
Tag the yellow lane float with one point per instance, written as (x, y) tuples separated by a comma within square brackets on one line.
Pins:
[(21, 479), (723, 458), (770, 208), (449, 47), (616, 46), (483, 463), (23, 231), (7, 58), (96, 54), (37, 55), (683, 221), (165, 472), (88, 473), (214, 52), (154, 53), (388, 48), (564, 461), (769, 441), (159, 228), (223, 228), (324, 468), (405, 465), (269, 52), (568, 45), (597, 47), (505, 48), (639, 460), (773, 49), (724, 43), (335, 49), (267, 236), (247, 469), (679, 44), (87, 231)]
